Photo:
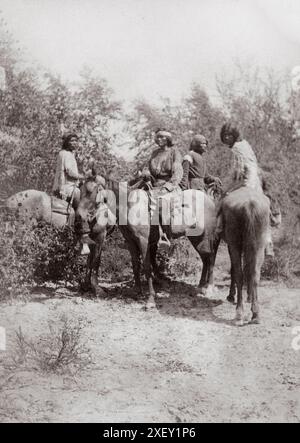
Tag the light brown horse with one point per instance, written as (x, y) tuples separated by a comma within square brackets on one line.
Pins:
[(246, 213), (37, 206), (142, 238)]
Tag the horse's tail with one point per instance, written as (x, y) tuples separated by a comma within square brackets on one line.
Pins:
[(256, 218)]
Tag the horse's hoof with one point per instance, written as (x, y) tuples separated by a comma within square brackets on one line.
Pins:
[(161, 280), (164, 284), (201, 290), (150, 306), (239, 322), (209, 291), (255, 321), (93, 292), (85, 250), (230, 299), (137, 292), (85, 287), (100, 292)]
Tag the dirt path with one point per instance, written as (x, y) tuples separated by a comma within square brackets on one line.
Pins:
[(184, 362)]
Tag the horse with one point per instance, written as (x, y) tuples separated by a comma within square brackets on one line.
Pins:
[(246, 213), (38, 206), (142, 237)]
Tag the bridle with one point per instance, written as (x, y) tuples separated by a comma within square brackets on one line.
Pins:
[(214, 191)]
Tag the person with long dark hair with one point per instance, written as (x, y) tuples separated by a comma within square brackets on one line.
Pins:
[(244, 171), (67, 177), (195, 175), (66, 186)]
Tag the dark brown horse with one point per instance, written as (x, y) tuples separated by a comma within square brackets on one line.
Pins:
[(246, 214), (142, 237)]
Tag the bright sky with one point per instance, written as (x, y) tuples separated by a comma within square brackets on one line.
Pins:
[(153, 48)]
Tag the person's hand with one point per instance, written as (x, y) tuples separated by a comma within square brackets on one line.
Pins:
[(224, 194), (218, 181), (163, 191), (146, 175), (168, 187)]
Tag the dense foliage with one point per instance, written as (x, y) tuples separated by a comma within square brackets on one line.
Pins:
[(37, 107), (33, 254)]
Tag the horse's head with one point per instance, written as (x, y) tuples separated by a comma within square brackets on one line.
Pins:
[(92, 192), (97, 202)]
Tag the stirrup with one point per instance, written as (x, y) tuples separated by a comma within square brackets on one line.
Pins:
[(85, 250), (163, 243)]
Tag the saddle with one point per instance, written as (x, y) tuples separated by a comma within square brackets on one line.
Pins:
[(63, 207), (60, 206), (182, 211), (187, 213)]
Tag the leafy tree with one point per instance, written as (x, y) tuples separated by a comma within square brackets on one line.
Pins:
[(195, 114), (260, 105), (35, 115)]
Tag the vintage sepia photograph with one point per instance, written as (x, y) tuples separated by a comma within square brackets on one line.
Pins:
[(149, 214)]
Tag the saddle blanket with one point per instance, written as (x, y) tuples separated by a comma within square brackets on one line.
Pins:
[(60, 206), (183, 211)]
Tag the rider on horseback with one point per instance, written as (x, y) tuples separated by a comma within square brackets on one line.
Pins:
[(165, 167), (168, 174), (67, 177), (66, 185), (195, 174), (245, 171)]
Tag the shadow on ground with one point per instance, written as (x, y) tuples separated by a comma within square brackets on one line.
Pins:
[(175, 299)]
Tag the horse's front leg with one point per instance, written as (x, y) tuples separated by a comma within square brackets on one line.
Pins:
[(93, 263), (86, 284), (211, 266), (196, 242), (135, 259), (206, 284), (204, 274), (136, 267), (151, 298), (150, 304), (232, 290), (159, 275), (145, 250), (210, 275), (153, 251), (95, 272)]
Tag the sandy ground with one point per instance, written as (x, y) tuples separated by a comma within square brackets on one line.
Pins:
[(184, 362)]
